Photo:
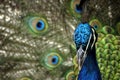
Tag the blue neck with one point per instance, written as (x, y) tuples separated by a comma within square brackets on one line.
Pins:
[(90, 62), (90, 69)]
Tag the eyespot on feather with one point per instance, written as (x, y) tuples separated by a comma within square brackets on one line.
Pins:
[(36, 24), (95, 23), (52, 60), (74, 10), (70, 75)]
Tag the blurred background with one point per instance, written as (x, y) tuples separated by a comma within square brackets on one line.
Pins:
[(36, 38)]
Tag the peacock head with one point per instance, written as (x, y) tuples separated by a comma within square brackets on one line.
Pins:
[(84, 35)]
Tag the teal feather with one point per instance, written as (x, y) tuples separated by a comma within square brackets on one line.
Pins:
[(25, 47)]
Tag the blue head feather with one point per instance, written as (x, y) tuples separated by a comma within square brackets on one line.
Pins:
[(82, 34)]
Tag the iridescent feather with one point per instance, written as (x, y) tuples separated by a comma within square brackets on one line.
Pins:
[(36, 39)]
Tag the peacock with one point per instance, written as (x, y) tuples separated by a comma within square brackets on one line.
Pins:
[(36, 38), (85, 38)]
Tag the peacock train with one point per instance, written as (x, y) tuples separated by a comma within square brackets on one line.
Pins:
[(42, 39)]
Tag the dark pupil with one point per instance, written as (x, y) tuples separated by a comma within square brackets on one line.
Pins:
[(95, 26), (53, 60), (77, 7), (39, 24), (72, 77)]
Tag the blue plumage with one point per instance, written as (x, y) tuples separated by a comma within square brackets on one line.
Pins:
[(89, 69), (81, 34)]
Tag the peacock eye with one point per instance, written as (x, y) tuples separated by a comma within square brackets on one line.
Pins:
[(75, 6), (40, 25), (78, 9), (55, 60), (96, 24), (70, 75), (37, 25), (52, 60)]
